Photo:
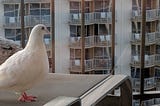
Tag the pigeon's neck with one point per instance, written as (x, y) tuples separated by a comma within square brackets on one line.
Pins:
[(35, 42)]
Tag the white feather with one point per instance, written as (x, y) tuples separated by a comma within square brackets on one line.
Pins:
[(27, 67)]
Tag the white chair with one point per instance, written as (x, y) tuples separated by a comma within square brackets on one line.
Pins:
[(137, 36), (109, 14), (146, 57), (136, 58), (12, 19), (108, 37), (75, 16), (135, 13), (72, 39), (77, 62), (47, 41), (79, 15), (103, 15), (102, 38)]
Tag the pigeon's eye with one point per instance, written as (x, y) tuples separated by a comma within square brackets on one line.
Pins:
[(42, 28)]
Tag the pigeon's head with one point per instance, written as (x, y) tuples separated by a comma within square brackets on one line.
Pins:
[(40, 29)]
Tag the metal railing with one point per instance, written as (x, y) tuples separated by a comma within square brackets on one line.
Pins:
[(150, 15), (103, 40), (151, 38), (91, 64), (30, 20), (26, 1), (91, 41), (101, 64), (150, 60), (94, 17), (149, 83)]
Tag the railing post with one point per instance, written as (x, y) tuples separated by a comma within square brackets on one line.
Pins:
[(82, 36), (143, 32), (53, 34), (22, 25)]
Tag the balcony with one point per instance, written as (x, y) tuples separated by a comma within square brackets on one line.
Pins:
[(102, 64), (149, 102), (150, 38), (75, 65), (91, 41), (150, 60), (30, 21), (102, 17), (103, 40), (48, 44), (149, 83), (11, 22), (26, 1), (151, 15), (75, 18), (90, 65), (75, 42), (91, 18)]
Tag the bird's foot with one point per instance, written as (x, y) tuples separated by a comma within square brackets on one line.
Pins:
[(26, 98)]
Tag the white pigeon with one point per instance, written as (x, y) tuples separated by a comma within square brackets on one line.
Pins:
[(27, 67)]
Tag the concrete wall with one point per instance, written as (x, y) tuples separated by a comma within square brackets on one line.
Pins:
[(123, 32), (62, 36)]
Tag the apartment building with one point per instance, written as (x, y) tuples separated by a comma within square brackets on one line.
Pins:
[(98, 17), (152, 37)]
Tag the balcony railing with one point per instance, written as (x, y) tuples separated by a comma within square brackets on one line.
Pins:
[(47, 44), (150, 15), (12, 22), (150, 38), (75, 65), (101, 64), (150, 102), (103, 17), (149, 83), (75, 18), (91, 41), (90, 65), (103, 40), (30, 20), (90, 18), (26, 1), (150, 60)]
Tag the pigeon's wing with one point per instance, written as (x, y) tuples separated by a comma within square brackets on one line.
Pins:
[(8, 73), (6, 81)]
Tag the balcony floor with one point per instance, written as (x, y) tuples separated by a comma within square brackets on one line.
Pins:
[(53, 86)]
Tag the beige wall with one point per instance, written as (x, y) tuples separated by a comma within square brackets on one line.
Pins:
[(62, 36), (123, 32)]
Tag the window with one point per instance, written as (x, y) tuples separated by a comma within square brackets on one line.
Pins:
[(157, 72), (75, 7), (135, 72), (35, 9), (102, 5), (11, 10), (13, 34), (45, 9)]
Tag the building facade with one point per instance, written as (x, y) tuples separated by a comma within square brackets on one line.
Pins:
[(98, 17)]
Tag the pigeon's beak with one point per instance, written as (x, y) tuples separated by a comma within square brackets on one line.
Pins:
[(47, 31)]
